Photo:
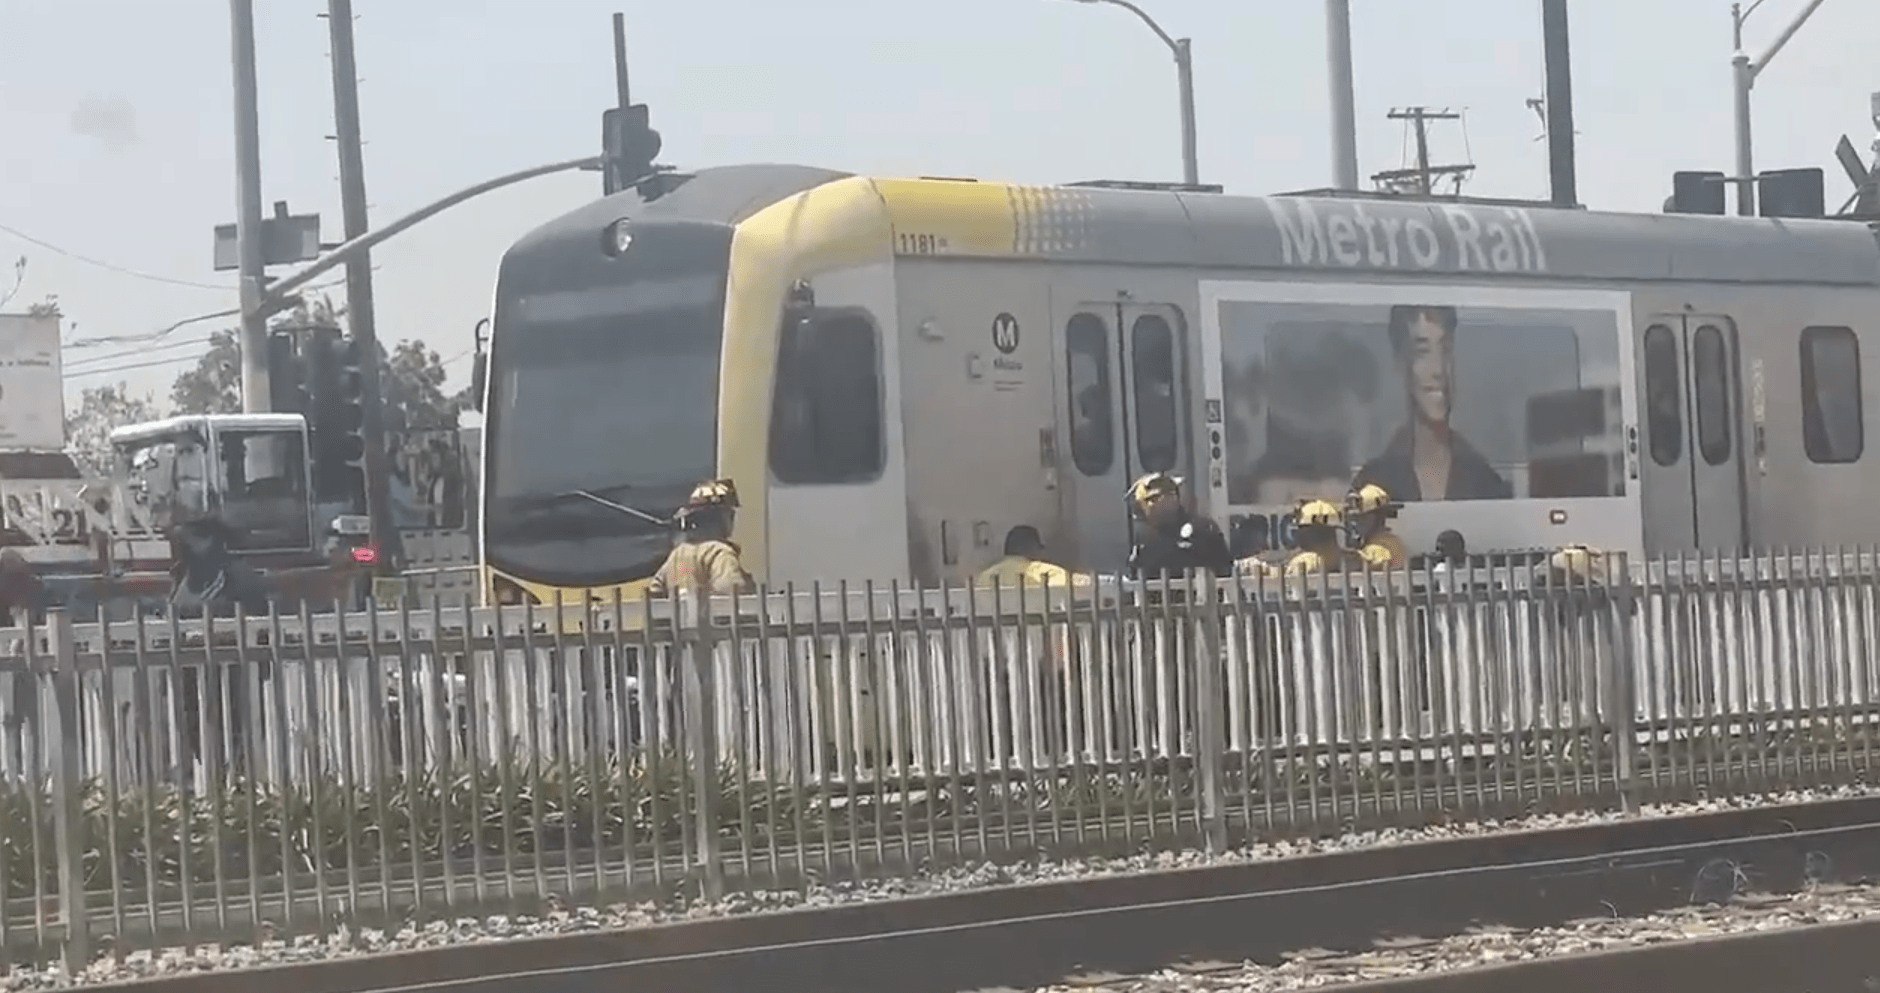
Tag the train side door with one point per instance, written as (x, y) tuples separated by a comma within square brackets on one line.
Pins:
[(1692, 444), (1124, 411), (979, 365)]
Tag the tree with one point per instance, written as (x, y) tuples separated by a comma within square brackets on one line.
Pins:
[(411, 379), (101, 408), (214, 386)]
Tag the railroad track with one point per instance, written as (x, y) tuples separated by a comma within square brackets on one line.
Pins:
[(1035, 936), (1814, 942), (1027, 937)]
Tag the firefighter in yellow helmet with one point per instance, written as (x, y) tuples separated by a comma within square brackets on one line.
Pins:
[(1174, 540), (1372, 508), (1321, 531), (705, 561)]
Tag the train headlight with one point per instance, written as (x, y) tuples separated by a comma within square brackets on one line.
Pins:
[(617, 238)]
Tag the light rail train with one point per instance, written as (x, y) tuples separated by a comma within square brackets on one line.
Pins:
[(897, 371)]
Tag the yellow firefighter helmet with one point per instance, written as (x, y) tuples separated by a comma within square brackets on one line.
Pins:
[(1319, 514), (1151, 486), (713, 493), (1370, 499)]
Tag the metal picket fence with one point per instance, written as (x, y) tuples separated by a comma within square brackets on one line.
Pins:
[(199, 779)]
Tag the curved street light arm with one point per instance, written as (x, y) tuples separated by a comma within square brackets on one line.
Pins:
[(1143, 15)]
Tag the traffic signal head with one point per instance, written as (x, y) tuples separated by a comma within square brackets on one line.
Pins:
[(287, 378), (628, 146), (338, 423)]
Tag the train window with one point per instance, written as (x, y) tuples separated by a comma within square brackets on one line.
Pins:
[(1664, 396), (1710, 369), (1152, 372), (1832, 429), (1093, 426), (826, 414)]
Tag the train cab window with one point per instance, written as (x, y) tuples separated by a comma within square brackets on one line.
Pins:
[(1832, 415), (1152, 374), (826, 414), (1664, 397), (1710, 370), (1093, 425)]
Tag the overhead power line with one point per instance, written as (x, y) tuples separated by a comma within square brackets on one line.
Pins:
[(89, 361), (112, 266), (138, 339), (128, 366)]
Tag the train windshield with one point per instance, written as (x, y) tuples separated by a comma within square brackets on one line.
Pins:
[(609, 393)]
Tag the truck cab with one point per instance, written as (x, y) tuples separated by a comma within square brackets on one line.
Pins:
[(248, 469), (252, 472)]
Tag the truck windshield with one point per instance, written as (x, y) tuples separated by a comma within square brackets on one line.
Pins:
[(621, 401), (263, 478)]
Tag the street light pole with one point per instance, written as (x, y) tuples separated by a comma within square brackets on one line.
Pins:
[(1183, 50), (1743, 73), (1185, 71)]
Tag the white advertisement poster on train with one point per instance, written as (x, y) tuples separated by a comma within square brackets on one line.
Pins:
[(1453, 399), (32, 392)]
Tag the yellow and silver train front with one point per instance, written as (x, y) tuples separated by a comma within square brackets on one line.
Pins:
[(603, 392)]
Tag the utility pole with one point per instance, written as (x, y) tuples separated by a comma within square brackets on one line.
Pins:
[(1421, 179), (1344, 95), (1743, 73), (359, 313), (256, 393)]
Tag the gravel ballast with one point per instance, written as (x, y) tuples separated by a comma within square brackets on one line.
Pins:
[(1483, 947)]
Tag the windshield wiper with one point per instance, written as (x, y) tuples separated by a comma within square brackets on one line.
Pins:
[(621, 507), (592, 494)]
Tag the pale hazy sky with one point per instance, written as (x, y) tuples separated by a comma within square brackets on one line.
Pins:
[(115, 116)]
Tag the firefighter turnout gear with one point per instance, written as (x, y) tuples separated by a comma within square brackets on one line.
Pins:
[(1383, 550), (1320, 525), (1372, 508), (705, 561), (706, 567), (1173, 541)]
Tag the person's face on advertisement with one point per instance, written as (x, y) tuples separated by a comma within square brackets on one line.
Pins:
[(1430, 353)]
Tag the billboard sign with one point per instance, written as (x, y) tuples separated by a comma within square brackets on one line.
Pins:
[(32, 392), (1481, 410)]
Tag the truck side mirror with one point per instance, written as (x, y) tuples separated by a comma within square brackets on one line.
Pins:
[(479, 376)]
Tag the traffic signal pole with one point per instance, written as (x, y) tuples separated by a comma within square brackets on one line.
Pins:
[(360, 317)]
